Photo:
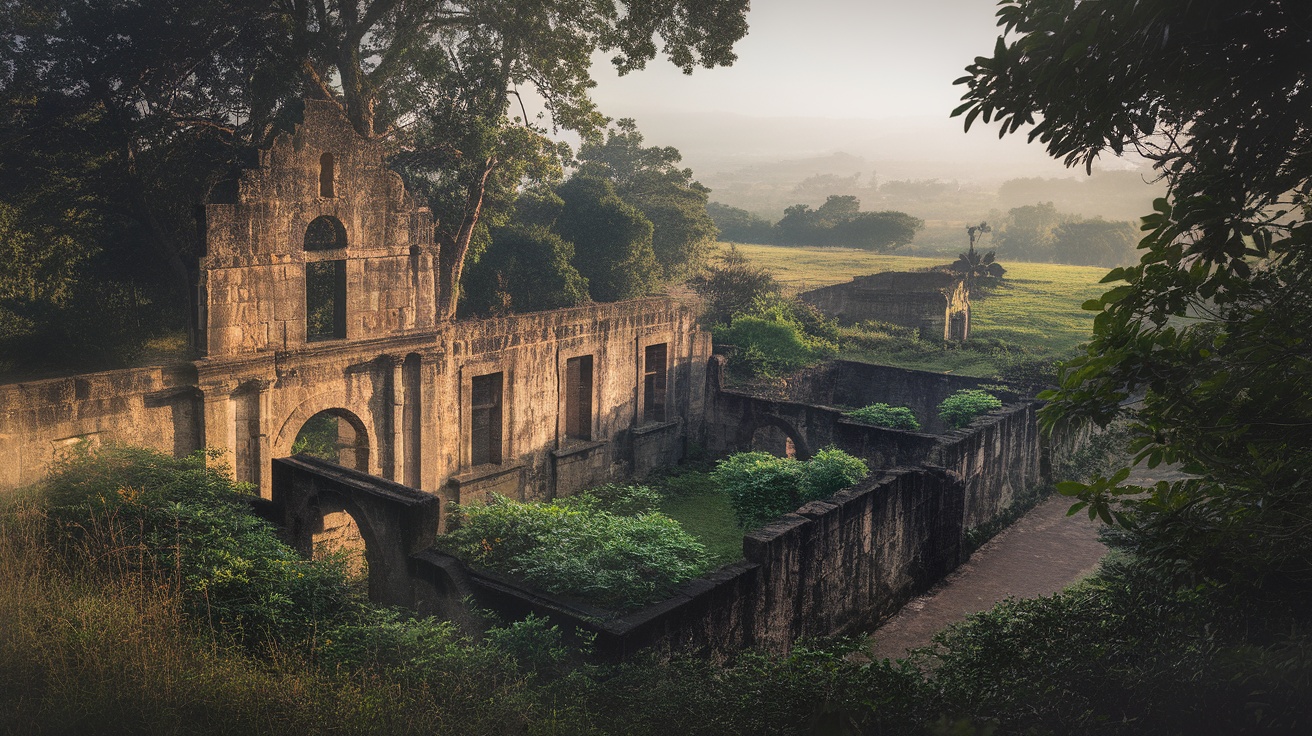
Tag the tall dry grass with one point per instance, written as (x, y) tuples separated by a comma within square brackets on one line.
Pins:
[(95, 641)]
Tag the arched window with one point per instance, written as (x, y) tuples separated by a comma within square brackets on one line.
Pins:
[(325, 233), (326, 175)]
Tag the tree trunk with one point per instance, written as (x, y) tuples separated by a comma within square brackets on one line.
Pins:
[(451, 261)]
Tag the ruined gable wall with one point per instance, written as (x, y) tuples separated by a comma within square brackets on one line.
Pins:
[(252, 286), (925, 301)]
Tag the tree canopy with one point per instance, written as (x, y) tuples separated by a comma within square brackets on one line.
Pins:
[(131, 111), (840, 222), (1209, 328), (649, 179)]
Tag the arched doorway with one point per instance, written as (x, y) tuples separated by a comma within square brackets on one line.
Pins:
[(335, 435), (773, 440), (338, 535)]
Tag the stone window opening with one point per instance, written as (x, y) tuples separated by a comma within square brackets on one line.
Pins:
[(578, 398), (485, 420), (325, 300), (325, 233), (326, 173), (653, 383)]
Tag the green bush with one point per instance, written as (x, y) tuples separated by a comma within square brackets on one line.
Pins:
[(762, 487), (883, 415), (578, 550), (766, 347), (962, 407), (143, 513), (623, 499)]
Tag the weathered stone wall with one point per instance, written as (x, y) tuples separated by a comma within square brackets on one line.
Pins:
[(934, 302), (998, 456), (252, 287), (151, 407), (408, 396), (834, 567), (846, 383)]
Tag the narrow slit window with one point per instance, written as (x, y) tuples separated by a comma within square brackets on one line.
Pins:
[(326, 173), (485, 420), (653, 383), (578, 398), (325, 300)]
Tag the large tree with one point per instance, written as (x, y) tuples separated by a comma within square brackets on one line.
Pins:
[(1209, 329), (649, 178), (168, 94)]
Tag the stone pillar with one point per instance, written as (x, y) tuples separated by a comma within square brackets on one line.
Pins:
[(263, 460), (217, 422), (396, 418)]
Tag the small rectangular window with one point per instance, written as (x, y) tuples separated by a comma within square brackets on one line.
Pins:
[(653, 383), (485, 420), (578, 398), (325, 300)]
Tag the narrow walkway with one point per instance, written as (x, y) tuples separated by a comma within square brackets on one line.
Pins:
[(1043, 552)]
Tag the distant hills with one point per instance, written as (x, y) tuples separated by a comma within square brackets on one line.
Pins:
[(763, 164)]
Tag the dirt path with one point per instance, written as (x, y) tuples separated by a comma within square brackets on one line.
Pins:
[(1040, 554)]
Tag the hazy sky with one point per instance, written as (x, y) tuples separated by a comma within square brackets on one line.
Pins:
[(871, 78), (829, 58)]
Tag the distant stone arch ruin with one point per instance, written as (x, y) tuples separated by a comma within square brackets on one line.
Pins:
[(935, 303)]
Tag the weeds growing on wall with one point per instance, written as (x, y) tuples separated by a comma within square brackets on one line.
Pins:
[(762, 487), (962, 407), (883, 415), (579, 549)]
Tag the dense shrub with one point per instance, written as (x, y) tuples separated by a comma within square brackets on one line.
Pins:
[(762, 487), (624, 499), (962, 407), (578, 550), (191, 526), (883, 415), (732, 286)]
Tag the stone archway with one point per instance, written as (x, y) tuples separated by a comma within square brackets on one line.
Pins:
[(774, 440), (769, 433), (335, 435), (319, 502), (338, 533)]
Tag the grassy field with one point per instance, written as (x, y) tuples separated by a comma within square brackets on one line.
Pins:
[(1033, 315), (703, 510)]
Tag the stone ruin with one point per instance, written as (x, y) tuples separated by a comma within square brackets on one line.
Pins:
[(936, 303), (317, 304)]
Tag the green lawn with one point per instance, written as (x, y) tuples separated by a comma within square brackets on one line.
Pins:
[(1033, 315), (704, 511)]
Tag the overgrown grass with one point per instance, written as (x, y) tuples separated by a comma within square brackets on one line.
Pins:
[(1033, 316), (693, 500), (93, 641)]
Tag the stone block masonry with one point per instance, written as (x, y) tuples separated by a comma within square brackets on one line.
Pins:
[(316, 298)]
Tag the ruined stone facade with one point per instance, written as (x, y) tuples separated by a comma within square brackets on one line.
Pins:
[(936, 303), (318, 293)]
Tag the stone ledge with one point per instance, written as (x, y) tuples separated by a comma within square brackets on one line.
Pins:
[(653, 428), (578, 449), (487, 472)]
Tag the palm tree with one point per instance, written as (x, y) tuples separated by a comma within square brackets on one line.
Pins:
[(974, 267)]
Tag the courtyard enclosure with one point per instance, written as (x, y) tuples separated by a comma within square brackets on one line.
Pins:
[(330, 384)]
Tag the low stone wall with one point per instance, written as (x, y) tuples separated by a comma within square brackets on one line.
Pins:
[(833, 567), (159, 408), (853, 384)]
